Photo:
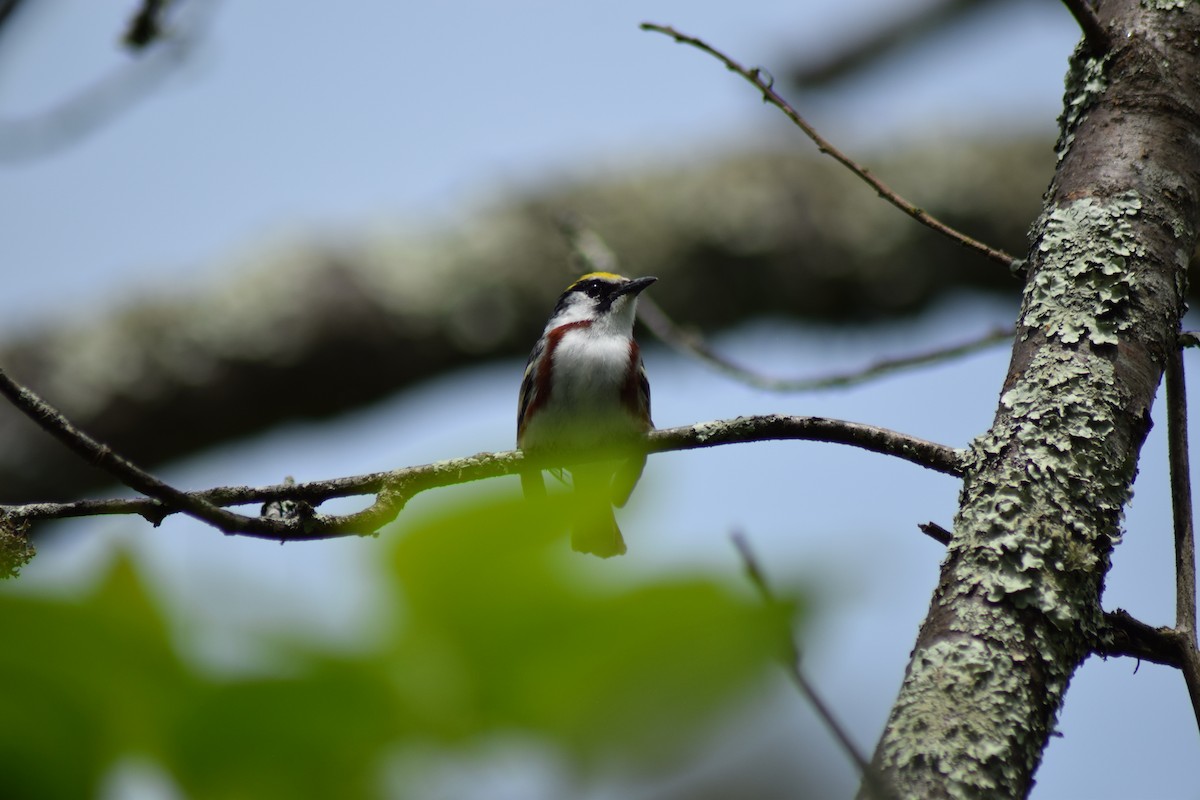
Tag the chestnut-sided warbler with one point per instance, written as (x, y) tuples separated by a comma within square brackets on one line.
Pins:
[(585, 387)]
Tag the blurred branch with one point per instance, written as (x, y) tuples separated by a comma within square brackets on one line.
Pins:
[(7, 9), (1181, 510), (146, 25), (764, 83), (300, 331), (693, 343), (97, 104), (594, 255), (394, 489), (120, 468), (1094, 33), (791, 662), (903, 33)]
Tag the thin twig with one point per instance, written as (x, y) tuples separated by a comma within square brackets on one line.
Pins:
[(101, 456), (1094, 33), (1181, 511), (763, 82), (690, 342), (393, 489), (936, 532), (791, 662)]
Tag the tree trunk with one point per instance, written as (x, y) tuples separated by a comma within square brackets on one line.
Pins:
[(1017, 607)]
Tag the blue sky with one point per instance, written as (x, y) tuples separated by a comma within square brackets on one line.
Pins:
[(291, 123)]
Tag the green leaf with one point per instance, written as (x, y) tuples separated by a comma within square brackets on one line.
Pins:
[(507, 630), (82, 682)]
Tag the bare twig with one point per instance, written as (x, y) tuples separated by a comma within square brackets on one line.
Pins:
[(936, 532), (763, 82), (690, 342), (1181, 511), (1094, 33), (791, 662), (87, 448), (937, 457)]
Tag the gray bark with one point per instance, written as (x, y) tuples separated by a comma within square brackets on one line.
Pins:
[(1017, 608)]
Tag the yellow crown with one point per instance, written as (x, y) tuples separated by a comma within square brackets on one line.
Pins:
[(607, 276)]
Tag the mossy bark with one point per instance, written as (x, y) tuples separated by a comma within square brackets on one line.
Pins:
[(1017, 607)]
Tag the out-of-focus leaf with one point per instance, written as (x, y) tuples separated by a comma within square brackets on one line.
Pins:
[(501, 629), (82, 682), (507, 630), (318, 734)]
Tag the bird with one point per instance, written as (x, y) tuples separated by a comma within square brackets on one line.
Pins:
[(584, 387)]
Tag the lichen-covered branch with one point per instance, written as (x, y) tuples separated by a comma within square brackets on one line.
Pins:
[(314, 329), (102, 457), (1017, 607)]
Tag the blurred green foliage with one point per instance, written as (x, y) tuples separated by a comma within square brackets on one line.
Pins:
[(499, 630)]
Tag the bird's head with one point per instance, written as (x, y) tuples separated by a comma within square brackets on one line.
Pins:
[(600, 298)]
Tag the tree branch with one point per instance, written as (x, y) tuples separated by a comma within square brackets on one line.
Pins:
[(394, 488), (1096, 35), (101, 456), (1181, 511), (916, 24), (1123, 635), (154, 374), (764, 84), (594, 255), (791, 662), (146, 26), (98, 103), (696, 345), (7, 9), (1017, 607)]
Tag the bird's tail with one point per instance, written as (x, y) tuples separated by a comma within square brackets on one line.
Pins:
[(594, 526), (598, 534)]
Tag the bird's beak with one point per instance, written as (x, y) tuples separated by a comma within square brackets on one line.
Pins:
[(635, 286)]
